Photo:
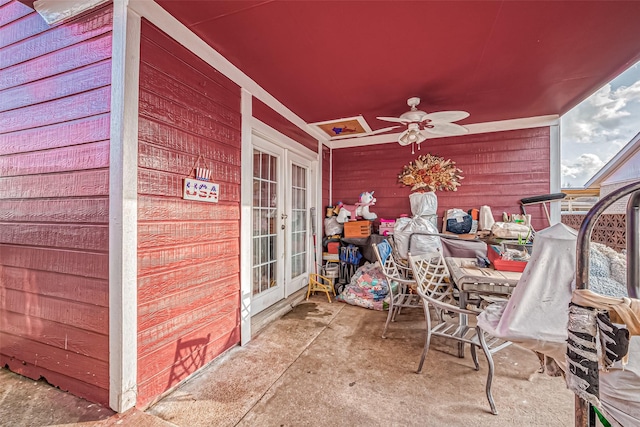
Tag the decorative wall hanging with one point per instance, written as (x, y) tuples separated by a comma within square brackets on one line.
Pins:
[(199, 188), (431, 173)]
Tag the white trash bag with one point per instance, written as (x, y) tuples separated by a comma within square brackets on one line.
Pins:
[(423, 207)]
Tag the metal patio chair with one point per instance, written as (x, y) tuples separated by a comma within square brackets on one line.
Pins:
[(430, 272), (396, 272)]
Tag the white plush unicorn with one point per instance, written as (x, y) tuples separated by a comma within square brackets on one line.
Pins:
[(360, 209)]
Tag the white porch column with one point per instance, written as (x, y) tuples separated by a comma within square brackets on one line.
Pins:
[(123, 204), (246, 203), (555, 172)]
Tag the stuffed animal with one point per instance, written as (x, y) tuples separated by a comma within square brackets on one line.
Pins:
[(360, 209)]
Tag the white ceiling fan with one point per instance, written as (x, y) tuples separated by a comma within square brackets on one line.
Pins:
[(418, 122)]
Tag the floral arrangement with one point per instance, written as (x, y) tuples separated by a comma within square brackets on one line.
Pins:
[(431, 173)]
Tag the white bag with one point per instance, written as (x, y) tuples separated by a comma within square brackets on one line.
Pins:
[(423, 204), (509, 230), (424, 207), (418, 244), (485, 220), (332, 226)]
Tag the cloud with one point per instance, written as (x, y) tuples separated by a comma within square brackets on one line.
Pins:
[(603, 117), (596, 129), (579, 171), (630, 93)]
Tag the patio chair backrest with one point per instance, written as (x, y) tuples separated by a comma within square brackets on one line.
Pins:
[(394, 248), (399, 277), (431, 275), (383, 251), (386, 256)]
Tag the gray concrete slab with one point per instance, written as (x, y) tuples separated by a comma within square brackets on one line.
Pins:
[(324, 365), (25, 402)]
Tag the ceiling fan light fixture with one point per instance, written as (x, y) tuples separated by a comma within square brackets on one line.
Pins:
[(412, 135)]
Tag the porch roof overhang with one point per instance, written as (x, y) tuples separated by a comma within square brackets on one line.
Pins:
[(498, 60), (628, 151)]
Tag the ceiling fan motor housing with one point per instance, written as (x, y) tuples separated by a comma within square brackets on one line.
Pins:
[(413, 102), (414, 115)]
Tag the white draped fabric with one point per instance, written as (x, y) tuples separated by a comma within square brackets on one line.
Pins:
[(537, 313)]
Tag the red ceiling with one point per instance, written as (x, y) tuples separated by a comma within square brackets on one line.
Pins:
[(497, 60)]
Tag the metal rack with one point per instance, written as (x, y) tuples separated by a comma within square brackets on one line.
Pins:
[(534, 200), (584, 415)]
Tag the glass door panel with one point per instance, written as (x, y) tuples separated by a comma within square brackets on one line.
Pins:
[(267, 237), (299, 222)]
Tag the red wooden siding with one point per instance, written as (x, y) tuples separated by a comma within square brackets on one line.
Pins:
[(188, 251), (266, 114), (499, 169), (54, 176)]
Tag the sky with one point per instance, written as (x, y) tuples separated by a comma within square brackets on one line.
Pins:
[(597, 128)]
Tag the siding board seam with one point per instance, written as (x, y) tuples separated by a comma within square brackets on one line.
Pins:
[(211, 284), (64, 249)]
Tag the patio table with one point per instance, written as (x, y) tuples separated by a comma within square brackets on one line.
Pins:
[(471, 279)]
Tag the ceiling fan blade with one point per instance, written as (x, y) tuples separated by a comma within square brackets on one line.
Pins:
[(393, 119), (444, 128), (375, 132), (446, 116)]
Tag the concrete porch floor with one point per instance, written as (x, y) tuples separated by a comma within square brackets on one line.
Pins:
[(324, 364)]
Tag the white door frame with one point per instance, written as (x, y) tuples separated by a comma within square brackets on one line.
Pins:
[(293, 284), (275, 294), (252, 126)]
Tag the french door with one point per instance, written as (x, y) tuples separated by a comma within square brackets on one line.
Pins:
[(280, 245)]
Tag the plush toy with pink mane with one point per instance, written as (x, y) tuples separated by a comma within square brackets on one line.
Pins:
[(360, 209)]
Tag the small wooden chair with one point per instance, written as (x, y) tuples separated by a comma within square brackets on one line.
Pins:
[(318, 282)]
